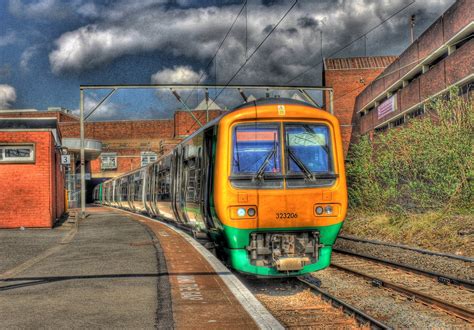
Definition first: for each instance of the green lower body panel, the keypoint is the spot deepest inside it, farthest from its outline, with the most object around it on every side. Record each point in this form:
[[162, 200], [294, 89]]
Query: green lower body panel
[[238, 256]]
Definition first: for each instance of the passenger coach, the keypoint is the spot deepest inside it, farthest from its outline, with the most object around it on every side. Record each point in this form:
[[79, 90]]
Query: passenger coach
[[264, 182]]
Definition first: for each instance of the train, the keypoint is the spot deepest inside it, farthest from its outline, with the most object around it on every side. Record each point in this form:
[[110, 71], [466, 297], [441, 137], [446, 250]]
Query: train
[[263, 183]]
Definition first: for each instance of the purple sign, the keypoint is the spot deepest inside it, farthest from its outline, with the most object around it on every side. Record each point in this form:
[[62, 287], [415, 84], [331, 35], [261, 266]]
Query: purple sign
[[386, 107]]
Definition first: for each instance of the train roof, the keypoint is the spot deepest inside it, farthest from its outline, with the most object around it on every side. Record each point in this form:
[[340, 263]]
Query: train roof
[[273, 100]]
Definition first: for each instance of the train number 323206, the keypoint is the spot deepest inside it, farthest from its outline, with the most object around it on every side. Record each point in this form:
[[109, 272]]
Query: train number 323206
[[286, 215]]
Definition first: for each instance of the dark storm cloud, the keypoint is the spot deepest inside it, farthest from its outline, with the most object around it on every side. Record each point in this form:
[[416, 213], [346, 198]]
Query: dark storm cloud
[[306, 22], [127, 28]]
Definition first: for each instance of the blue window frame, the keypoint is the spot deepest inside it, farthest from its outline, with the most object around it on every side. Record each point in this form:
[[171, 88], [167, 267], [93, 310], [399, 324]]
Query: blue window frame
[[256, 145], [308, 144]]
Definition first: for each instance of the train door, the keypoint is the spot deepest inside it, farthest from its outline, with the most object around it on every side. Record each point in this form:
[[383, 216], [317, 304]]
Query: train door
[[174, 182], [113, 193], [207, 176], [165, 188], [124, 192], [130, 191], [154, 188], [147, 194], [179, 187], [193, 184]]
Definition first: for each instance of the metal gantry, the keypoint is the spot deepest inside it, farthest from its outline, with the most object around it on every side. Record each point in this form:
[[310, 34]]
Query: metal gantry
[[174, 88]]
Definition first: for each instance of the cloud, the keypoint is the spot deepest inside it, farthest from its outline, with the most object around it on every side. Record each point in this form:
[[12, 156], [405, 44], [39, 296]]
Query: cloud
[[128, 28], [107, 111], [7, 96], [178, 75], [7, 39], [40, 9], [26, 56]]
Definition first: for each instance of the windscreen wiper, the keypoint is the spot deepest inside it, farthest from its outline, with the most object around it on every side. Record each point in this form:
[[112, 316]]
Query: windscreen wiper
[[310, 130], [300, 164], [261, 169]]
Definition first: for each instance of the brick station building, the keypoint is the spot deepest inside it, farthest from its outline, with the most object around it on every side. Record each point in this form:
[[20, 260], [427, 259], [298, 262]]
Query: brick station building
[[348, 77], [442, 57], [31, 177], [372, 94]]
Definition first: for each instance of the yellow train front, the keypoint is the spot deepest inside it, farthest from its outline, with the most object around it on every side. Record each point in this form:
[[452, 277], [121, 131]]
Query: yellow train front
[[280, 188], [264, 182]]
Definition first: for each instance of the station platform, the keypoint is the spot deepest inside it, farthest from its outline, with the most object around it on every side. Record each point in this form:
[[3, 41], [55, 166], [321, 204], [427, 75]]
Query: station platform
[[121, 270]]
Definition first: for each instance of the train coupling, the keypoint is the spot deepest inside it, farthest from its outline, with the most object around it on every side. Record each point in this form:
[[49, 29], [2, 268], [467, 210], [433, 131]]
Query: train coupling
[[291, 264]]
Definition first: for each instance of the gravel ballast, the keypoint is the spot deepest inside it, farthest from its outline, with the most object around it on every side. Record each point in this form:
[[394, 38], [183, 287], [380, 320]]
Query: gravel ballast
[[443, 265]]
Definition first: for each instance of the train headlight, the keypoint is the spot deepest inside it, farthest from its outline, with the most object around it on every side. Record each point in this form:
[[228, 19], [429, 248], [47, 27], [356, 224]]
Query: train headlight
[[241, 212], [251, 212], [328, 209], [319, 210]]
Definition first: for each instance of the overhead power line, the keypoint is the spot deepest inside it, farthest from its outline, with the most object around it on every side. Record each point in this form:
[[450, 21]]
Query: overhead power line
[[244, 5], [256, 49], [352, 42]]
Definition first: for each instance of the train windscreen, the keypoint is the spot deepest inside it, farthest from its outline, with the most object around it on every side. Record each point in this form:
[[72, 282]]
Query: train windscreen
[[257, 156], [307, 148]]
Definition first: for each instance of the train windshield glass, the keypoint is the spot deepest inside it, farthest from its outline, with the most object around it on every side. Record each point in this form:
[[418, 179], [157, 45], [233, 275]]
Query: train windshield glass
[[256, 149], [307, 148]]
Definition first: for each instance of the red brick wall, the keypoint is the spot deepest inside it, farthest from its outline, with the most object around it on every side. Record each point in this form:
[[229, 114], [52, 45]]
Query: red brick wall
[[63, 117], [440, 75], [347, 84], [110, 130], [185, 124], [31, 195]]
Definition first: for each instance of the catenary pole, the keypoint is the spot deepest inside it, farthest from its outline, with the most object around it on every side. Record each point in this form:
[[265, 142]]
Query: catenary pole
[[83, 165]]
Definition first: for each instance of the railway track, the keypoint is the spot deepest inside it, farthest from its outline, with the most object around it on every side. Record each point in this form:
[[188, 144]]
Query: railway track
[[298, 303], [362, 319], [450, 295], [405, 247]]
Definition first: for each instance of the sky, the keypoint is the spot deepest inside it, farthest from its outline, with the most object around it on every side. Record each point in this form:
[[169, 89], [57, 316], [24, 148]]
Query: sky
[[48, 48]]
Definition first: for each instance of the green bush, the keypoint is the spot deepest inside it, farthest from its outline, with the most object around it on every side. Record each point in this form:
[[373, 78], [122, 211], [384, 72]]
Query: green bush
[[425, 164]]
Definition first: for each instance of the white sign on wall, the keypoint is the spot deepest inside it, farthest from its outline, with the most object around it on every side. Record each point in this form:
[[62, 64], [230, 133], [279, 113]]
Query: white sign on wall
[[65, 159], [386, 107]]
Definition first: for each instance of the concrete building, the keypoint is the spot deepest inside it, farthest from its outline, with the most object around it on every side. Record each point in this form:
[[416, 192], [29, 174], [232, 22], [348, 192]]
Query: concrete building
[[348, 77], [32, 190], [442, 57]]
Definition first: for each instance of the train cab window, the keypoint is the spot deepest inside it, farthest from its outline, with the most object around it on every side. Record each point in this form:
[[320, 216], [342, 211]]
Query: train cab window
[[308, 155], [256, 155]]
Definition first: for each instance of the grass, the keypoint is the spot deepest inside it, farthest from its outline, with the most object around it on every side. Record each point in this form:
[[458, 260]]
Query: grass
[[443, 231]]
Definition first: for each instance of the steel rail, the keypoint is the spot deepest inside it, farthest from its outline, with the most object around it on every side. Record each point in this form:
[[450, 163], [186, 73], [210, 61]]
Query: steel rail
[[359, 315], [456, 310], [406, 247], [445, 279]]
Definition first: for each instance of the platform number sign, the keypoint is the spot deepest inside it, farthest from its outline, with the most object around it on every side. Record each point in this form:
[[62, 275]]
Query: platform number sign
[[65, 159]]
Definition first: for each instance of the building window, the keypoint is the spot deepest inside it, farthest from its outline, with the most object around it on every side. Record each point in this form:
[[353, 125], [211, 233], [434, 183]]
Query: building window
[[16, 153], [417, 112], [148, 157], [398, 122], [108, 161], [381, 129]]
